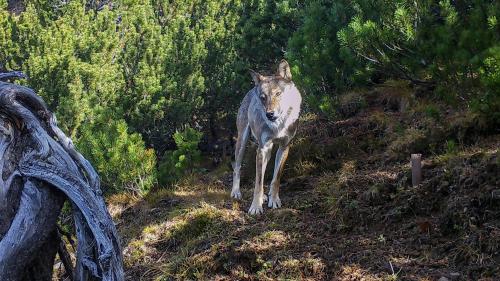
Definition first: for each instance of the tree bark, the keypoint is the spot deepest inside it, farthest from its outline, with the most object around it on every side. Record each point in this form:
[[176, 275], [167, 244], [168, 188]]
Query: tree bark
[[39, 170]]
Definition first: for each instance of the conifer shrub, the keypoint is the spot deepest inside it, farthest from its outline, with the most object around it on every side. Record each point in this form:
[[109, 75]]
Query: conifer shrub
[[184, 159], [123, 162]]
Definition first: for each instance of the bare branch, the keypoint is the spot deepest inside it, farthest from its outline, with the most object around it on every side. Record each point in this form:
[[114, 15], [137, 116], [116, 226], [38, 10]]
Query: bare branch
[[13, 74]]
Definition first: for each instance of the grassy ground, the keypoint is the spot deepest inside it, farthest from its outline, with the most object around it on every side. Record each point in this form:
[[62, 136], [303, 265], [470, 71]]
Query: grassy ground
[[349, 211]]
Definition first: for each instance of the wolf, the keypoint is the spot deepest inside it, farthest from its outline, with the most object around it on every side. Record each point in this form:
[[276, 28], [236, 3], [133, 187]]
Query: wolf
[[270, 111]]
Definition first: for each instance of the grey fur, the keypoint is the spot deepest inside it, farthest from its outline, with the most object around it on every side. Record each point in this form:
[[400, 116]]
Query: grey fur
[[278, 97]]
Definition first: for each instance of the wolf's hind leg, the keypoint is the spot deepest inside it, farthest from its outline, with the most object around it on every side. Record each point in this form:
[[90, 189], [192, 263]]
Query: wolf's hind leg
[[239, 152], [274, 198]]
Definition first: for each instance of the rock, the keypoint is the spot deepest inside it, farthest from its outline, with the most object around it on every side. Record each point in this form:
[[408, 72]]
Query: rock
[[495, 194], [454, 276], [443, 279]]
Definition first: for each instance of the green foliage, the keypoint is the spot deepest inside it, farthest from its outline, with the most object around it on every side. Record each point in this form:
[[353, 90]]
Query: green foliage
[[149, 66], [121, 158], [450, 147], [488, 102], [153, 67], [319, 64], [266, 27], [177, 163], [68, 54], [453, 45], [432, 111], [423, 40]]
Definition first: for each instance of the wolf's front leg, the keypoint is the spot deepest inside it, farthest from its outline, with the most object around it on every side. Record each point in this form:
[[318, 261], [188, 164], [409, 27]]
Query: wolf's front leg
[[238, 158], [263, 155], [274, 198]]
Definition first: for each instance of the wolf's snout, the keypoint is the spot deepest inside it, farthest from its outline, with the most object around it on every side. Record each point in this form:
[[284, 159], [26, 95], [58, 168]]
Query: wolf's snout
[[270, 116]]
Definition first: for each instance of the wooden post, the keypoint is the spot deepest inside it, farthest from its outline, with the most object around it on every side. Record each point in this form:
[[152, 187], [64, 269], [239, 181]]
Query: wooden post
[[416, 169]]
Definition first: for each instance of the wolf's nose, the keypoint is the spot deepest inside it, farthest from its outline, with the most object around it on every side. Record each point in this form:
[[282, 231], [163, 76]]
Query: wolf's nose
[[270, 115]]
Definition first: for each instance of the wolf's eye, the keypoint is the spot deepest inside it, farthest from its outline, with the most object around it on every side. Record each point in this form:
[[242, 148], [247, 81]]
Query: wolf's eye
[[278, 93], [263, 97]]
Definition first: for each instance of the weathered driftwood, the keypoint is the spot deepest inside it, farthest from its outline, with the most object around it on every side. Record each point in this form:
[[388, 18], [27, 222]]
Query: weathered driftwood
[[39, 170]]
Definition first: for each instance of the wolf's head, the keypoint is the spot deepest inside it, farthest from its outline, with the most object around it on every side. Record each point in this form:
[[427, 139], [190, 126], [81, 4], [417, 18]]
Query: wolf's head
[[273, 90]]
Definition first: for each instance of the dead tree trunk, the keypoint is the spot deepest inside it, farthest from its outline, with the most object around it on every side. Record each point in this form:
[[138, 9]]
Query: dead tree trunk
[[39, 170]]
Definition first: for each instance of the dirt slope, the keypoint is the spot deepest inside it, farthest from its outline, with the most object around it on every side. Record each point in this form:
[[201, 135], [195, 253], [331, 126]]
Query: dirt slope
[[349, 210]]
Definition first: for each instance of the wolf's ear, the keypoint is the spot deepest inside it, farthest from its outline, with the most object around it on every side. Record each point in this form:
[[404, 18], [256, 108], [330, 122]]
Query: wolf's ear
[[257, 78], [284, 70]]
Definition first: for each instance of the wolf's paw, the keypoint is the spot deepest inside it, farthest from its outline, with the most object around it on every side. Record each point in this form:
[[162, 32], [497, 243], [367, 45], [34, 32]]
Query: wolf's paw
[[255, 210], [236, 194], [274, 202]]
